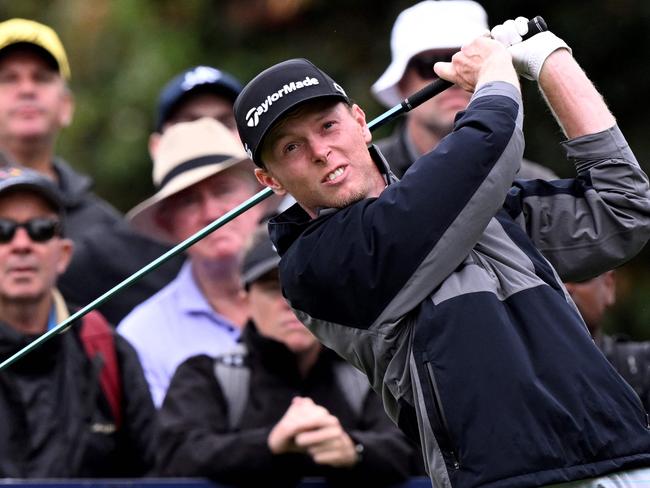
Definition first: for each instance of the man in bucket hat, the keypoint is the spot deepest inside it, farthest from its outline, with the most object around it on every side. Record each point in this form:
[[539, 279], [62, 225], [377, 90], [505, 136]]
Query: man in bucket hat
[[200, 91], [201, 172], [424, 33], [445, 287]]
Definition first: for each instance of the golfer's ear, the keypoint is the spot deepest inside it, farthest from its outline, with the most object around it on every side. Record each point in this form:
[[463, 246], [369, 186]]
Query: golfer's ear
[[360, 116], [266, 179]]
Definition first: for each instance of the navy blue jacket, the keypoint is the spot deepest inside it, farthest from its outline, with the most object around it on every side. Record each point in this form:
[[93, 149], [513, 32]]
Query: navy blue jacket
[[446, 290]]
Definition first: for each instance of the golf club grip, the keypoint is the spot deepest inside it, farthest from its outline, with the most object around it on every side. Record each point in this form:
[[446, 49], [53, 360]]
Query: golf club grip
[[535, 26]]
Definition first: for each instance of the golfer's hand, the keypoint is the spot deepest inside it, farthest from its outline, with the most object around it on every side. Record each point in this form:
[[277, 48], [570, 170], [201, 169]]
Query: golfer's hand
[[479, 62], [528, 56], [302, 415]]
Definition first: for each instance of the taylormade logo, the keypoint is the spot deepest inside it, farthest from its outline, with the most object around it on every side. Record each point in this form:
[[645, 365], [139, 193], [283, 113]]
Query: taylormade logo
[[253, 115]]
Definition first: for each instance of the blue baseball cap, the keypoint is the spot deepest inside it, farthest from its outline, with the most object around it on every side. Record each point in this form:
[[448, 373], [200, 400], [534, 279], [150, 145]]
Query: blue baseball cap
[[198, 78], [14, 177]]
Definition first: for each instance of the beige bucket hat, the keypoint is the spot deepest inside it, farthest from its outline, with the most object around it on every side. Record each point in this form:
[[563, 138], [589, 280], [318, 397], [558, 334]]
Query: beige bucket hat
[[188, 153]]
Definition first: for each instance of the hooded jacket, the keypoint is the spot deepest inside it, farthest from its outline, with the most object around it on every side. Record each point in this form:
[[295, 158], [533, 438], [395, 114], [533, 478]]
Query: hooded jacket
[[446, 291]]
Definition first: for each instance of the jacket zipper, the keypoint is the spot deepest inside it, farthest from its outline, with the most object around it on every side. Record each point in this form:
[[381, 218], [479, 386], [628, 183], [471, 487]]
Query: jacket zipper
[[442, 431]]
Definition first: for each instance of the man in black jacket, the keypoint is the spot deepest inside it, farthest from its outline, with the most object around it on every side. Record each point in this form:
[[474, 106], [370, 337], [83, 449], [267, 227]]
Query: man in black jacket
[[280, 408], [76, 407]]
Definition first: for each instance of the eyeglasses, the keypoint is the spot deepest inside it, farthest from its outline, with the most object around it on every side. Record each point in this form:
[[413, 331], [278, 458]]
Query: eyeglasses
[[39, 229], [423, 64]]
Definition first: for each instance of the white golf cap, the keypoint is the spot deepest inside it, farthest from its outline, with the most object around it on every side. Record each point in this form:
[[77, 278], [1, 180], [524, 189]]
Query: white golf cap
[[432, 24]]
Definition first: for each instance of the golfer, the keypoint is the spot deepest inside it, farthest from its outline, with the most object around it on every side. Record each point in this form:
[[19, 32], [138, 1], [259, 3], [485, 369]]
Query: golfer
[[445, 288]]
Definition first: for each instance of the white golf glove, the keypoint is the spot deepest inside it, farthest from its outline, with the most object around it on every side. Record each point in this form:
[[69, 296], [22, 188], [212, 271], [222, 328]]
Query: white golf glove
[[528, 56]]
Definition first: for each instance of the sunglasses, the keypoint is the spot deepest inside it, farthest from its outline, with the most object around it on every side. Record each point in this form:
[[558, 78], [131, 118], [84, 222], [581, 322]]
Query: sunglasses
[[423, 64], [39, 229]]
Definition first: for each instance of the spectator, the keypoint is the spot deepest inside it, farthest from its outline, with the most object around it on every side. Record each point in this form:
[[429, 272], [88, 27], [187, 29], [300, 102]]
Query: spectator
[[423, 34], [197, 92], [631, 359], [444, 287], [278, 409], [201, 172], [66, 411], [36, 103], [202, 91]]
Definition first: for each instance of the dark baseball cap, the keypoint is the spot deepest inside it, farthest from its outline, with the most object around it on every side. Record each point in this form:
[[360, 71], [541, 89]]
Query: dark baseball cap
[[273, 93], [204, 78], [260, 258], [15, 178]]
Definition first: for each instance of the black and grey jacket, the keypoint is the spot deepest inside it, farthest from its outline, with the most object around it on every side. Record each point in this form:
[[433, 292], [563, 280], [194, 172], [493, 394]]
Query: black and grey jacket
[[446, 290]]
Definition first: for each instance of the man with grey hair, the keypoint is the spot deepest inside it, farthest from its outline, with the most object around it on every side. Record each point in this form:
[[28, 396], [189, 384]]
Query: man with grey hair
[[201, 172]]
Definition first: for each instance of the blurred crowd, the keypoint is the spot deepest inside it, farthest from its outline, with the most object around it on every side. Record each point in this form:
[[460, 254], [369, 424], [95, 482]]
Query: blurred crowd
[[200, 368]]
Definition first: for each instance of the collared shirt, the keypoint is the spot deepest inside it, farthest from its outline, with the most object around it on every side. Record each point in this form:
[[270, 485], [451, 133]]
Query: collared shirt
[[173, 325]]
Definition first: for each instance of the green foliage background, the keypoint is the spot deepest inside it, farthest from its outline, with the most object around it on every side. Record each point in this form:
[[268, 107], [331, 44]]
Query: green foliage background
[[123, 51]]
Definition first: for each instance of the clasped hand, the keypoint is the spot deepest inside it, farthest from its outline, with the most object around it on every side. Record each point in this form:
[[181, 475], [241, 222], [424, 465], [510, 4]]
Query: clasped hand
[[312, 429]]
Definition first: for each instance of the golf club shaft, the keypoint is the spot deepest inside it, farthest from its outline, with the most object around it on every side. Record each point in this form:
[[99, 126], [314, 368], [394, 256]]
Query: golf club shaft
[[534, 26]]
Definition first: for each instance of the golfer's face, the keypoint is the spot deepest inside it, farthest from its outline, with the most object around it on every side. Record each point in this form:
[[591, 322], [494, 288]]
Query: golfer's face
[[29, 268], [320, 156], [34, 101], [192, 209]]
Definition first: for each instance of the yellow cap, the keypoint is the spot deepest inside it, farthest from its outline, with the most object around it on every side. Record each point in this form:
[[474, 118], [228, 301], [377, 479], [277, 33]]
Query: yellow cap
[[14, 31]]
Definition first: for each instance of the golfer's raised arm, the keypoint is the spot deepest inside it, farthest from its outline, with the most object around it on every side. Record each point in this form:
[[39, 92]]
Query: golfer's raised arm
[[577, 105], [603, 217]]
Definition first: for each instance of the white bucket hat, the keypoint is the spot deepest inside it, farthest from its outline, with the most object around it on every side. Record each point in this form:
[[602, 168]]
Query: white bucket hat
[[432, 24], [188, 153]]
